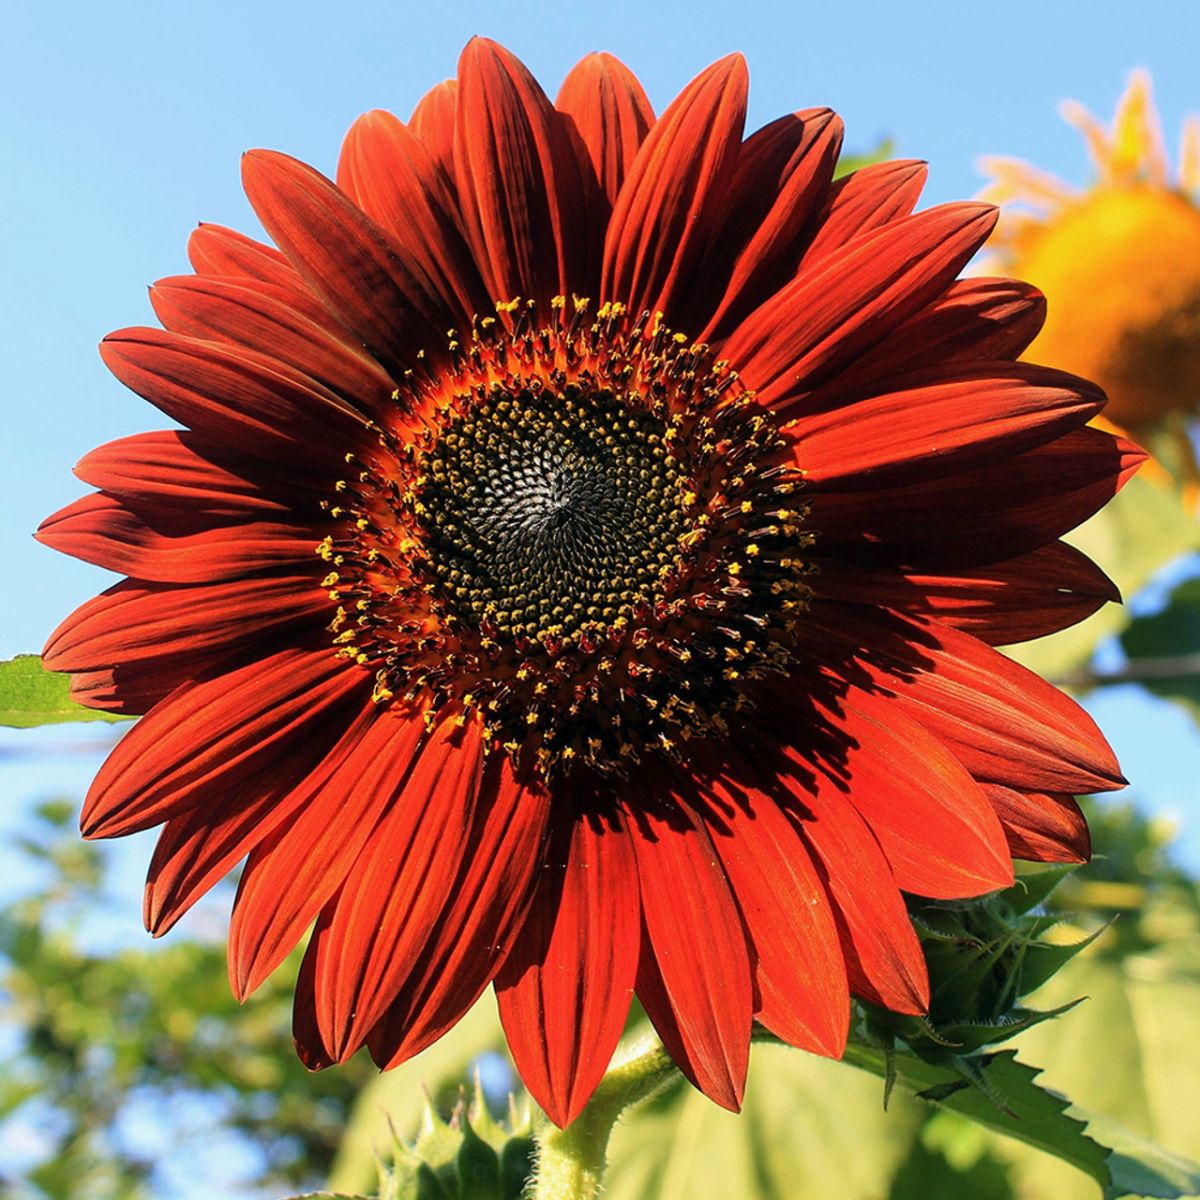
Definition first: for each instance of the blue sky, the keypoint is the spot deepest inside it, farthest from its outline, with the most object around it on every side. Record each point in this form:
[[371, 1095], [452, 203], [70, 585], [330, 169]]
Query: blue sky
[[123, 124]]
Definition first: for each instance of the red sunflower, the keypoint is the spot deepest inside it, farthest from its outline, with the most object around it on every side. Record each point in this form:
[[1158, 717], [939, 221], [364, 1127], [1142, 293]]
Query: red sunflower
[[578, 570]]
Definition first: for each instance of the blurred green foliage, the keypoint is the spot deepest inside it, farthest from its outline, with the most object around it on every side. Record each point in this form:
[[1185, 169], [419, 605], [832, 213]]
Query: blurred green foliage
[[93, 1036]]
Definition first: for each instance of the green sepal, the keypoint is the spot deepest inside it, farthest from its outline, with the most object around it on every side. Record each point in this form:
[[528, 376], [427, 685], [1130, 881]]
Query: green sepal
[[477, 1166], [470, 1157], [1035, 888], [1044, 959], [974, 1035]]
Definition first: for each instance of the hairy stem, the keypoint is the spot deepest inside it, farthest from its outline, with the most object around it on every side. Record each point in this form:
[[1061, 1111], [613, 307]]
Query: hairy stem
[[571, 1161]]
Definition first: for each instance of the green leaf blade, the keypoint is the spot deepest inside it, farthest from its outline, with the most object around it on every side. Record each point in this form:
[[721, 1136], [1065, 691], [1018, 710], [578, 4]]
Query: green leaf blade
[[31, 696]]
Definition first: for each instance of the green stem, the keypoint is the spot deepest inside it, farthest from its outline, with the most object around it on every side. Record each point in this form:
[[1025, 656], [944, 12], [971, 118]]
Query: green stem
[[571, 1161]]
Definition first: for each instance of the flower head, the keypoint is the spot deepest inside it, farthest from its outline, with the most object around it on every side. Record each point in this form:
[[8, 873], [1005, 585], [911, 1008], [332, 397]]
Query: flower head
[[578, 572], [1119, 261]]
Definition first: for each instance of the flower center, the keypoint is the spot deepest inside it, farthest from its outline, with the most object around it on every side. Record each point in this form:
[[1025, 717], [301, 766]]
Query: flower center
[[549, 513], [586, 534]]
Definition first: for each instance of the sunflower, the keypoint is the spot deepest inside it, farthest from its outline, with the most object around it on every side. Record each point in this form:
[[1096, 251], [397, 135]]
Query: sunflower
[[1119, 261], [577, 572]]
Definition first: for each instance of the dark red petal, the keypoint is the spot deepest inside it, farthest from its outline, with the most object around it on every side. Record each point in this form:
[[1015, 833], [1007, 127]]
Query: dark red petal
[[179, 548], [518, 178], [604, 99], [833, 313], [396, 889], [215, 250], [864, 200], [936, 827], [132, 621], [135, 688], [1041, 827], [433, 122], [305, 1033], [982, 514], [1016, 600], [292, 875], [565, 989], [940, 423], [694, 977], [362, 275], [259, 319], [227, 732], [178, 469], [799, 966], [393, 178], [883, 955], [482, 911], [199, 847], [1003, 722], [239, 398], [782, 177], [675, 192], [219, 253], [974, 320]]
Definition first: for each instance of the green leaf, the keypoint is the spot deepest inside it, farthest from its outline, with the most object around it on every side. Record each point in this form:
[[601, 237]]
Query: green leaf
[[1127, 1053], [809, 1129], [1139, 1167], [1005, 1098], [30, 695]]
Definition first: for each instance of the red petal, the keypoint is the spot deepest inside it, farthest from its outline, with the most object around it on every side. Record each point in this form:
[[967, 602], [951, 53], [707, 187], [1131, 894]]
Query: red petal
[[201, 846], [132, 621], [604, 99], [1003, 722], [941, 423], [394, 179], [482, 911], [975, 320], [362, 275], [518, 178], [565, 989], [936, 827], [178, 469], [232, 730], [1017, 600], [305, 1033], [238, 398], [292, 875], [396, 889], [833, 313], [864, 200], [676, 192], [782, 177], [135, 688], [1041, 827], [259, 319], [883, 954], [799, 966], [215, 250], [433, 121], [694, 976], [982, 514], [178, 548]]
